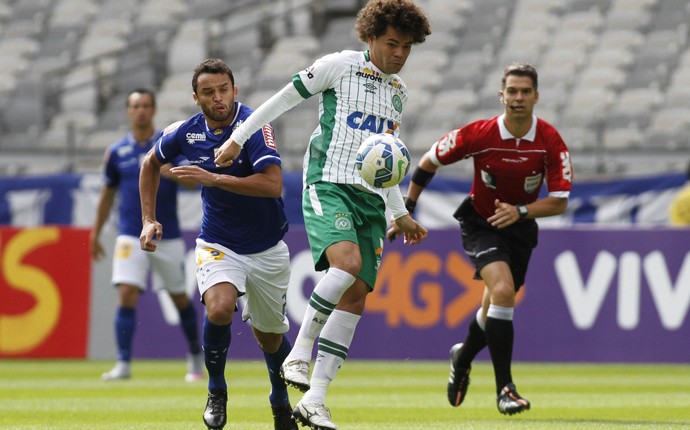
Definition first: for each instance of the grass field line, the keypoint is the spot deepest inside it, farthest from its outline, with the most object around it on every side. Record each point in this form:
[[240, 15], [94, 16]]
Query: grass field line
[[371, 395]]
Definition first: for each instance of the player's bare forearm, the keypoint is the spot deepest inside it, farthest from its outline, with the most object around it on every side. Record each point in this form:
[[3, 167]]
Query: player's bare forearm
[[194, 174], [415, 190], [165, 173], [149, 180], [105, 204], [507, 214], [548, 206], [97, 251], [267, 183]]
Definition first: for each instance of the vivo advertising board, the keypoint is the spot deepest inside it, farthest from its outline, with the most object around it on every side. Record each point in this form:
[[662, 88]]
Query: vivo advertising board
[[620, 295], [609, 281]]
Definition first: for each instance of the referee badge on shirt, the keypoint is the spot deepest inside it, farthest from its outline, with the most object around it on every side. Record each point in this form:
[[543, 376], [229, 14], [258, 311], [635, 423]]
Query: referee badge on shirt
[[532, 183], [489, 179]]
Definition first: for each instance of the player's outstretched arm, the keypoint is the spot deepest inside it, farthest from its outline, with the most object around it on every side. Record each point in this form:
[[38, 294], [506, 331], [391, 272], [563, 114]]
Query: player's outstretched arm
[[267, 183], [421, 177], [276, 105], [506, 214], [149, 179], [105, 204]]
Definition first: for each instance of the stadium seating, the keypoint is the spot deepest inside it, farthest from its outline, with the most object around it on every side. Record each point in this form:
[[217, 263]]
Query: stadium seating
[[613, 73]]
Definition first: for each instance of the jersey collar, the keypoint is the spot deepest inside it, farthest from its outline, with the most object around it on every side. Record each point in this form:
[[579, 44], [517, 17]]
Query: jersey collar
[[505, 134]]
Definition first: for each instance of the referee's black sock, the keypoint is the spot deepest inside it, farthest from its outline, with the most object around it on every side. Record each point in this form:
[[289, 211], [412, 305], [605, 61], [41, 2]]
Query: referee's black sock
[[499, 336], [474, 343]]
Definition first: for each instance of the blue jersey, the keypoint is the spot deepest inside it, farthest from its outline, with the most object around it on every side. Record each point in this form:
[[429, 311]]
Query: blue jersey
[[122, 162], [245, 224]]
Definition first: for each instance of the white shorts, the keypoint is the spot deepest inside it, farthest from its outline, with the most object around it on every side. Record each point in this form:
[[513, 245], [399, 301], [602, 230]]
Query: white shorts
[[131, 264], [261, 279]]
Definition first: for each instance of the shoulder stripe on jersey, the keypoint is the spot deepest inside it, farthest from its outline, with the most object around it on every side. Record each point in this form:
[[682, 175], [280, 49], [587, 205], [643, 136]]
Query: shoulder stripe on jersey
[[265, 157]]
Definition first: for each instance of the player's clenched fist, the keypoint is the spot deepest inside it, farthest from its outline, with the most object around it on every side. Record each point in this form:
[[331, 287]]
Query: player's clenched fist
[[151, 232], [227, 152]]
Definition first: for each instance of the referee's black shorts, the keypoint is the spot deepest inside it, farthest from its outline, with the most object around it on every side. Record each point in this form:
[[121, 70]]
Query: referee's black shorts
[[485, 244]]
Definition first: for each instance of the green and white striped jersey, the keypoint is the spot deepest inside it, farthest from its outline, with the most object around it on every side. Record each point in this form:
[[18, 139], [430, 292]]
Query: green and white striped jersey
[[356, 100]]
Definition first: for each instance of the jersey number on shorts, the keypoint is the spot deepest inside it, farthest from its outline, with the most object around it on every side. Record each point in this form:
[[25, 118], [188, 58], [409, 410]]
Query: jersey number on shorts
[[204, 255]]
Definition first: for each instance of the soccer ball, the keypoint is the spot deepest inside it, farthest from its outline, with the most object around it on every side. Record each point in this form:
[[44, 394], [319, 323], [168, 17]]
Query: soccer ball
[[382, 160]]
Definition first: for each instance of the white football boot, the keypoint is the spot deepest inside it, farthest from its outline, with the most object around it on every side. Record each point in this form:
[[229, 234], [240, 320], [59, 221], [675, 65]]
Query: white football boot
[[296, 374], [314, 415]]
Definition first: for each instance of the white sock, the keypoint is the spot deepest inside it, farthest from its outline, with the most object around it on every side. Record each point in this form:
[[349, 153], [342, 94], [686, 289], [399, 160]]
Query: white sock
[[334, 344], [480, 319], [500, 312], [323, 300]]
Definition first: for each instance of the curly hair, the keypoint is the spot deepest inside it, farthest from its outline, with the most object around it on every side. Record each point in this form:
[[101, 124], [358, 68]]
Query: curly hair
[[403, 15]]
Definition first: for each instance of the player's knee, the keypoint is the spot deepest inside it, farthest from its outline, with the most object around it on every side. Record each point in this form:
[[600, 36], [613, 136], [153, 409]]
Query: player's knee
[[220, 313], [503, 294], [504, 297], [345, 256], [181, 300], [349, 264]]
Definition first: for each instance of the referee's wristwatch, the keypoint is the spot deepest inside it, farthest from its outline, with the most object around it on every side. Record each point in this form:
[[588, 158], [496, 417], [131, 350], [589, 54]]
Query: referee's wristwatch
[[522, 211]]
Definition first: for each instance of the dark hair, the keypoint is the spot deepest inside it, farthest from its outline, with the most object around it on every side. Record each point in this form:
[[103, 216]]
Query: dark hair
[[142, 91], [403, 15], [213, 66], [521, 69]]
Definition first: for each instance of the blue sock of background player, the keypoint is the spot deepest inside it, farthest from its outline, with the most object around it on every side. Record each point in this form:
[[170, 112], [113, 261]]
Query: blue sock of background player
[[125, 323], [216, 344], [188, 323], [279, 393]]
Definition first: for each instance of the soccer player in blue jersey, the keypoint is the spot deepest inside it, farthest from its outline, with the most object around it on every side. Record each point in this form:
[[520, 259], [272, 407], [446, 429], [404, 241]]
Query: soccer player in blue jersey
[[360, 93], [240, 250], [130, 264]]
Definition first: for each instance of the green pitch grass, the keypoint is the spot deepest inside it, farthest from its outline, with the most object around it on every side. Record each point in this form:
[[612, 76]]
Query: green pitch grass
[[368, 395]]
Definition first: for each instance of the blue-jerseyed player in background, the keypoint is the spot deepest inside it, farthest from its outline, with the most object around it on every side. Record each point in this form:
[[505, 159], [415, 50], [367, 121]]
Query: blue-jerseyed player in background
[[240, 250], [130, 264]]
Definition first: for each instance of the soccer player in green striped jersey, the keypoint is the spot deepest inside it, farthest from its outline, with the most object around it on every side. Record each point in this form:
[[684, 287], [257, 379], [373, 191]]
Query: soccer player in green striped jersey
[[360, 94]]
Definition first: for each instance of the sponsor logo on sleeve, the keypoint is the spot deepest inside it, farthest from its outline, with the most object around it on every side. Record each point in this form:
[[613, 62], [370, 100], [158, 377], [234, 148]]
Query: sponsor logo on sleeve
[[267, 131]]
